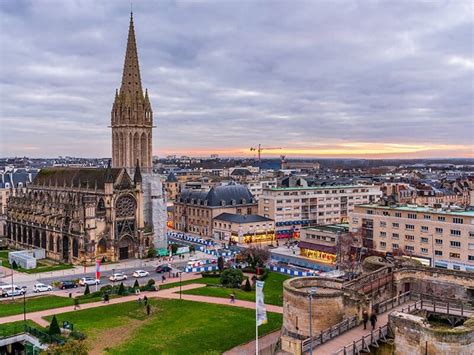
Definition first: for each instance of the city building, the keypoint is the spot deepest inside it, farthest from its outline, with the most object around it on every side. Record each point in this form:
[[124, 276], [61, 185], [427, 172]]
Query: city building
[[244, 229], [324, 243], [294, 207], [80, 214], [442, 238], [194, 211]]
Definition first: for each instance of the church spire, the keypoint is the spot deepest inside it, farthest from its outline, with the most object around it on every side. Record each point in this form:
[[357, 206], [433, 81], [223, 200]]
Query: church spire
[[131, 81]]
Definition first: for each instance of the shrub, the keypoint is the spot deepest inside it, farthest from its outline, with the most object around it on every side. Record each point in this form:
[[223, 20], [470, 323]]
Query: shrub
[[77, 335], [75, 347], [247, 286], [150, 282], [103, 260], [14, 265], [136, 285], [121, 289], [151, 253], [210, 274], [54, 327], [87, 291], [220, 263], [232, 278], [106, 289]]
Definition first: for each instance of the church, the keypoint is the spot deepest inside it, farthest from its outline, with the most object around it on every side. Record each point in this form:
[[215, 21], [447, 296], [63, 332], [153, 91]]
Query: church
[[80, 214]]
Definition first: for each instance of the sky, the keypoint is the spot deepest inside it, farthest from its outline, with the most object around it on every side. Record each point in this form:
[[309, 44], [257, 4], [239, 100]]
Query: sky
[[329, 79]]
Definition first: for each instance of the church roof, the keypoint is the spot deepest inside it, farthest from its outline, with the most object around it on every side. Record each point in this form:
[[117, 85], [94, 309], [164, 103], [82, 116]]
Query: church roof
[[73, 176]]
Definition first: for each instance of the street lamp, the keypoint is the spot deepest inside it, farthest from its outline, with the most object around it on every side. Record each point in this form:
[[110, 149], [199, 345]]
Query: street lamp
[[24, 307], [180, 272], [311, 293]]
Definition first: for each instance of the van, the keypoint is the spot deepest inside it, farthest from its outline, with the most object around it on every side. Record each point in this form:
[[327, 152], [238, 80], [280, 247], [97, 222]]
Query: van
[[12, 291]]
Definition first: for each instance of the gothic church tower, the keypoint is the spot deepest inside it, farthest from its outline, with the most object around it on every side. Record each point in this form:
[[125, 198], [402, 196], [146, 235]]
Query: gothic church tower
[[132, 116]]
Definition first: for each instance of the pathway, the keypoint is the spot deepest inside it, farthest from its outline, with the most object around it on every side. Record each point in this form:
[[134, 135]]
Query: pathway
[[249, 348], [166, 294]]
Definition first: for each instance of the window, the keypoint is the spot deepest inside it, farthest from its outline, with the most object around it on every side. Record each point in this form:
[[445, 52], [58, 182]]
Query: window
[[455, 244], [455, 255], [424, 240], [471, 234], [412, 215], [395, 225], [456, 267], [383, 234], [455, 232], [394, 246], [424, 250], [398, 214], [409, 226], [470, 246], [438, 253], [424, 228], [470, 257], [427, 216], [370, 212], [409, 248], [410, 237], [439, 230], [458, 220], [383, 224], [441, 218], [386, 213], [383, 245], [395, 235], [439, 241]]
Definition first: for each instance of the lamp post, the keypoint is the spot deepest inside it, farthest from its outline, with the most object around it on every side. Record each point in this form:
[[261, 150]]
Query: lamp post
[[180, 272], [24, 308], [311, 293], [13, 289]]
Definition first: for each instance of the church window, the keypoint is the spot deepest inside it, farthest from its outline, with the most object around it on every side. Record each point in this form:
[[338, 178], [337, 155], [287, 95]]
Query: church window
[[125, 206]]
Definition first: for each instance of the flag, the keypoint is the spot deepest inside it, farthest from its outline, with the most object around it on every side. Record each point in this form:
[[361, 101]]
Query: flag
[[261, 311], [97, 269]]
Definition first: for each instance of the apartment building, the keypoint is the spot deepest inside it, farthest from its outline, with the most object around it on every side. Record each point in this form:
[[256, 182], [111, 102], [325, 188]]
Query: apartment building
[[295, 207], [443, 238], [244, 229]]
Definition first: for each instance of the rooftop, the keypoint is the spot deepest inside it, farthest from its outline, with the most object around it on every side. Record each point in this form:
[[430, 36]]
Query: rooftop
[[239, 218], [338, 227], [423, 209], [318, 187]]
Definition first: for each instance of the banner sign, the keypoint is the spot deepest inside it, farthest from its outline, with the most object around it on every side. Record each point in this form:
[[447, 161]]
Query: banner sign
[[261, 311], [97, 269]]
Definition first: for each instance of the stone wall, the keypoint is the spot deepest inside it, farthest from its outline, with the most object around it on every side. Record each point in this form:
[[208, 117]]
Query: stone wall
[[416, 336]]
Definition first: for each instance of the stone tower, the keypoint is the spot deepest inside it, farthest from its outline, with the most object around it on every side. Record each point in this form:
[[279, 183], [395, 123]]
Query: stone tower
[[132, 116]]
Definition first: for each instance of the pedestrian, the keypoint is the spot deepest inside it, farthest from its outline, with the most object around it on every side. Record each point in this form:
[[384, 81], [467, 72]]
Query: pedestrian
[[145, 300], [139, 300], [163, 278], [373, 320], [148, 309], [365, 318], [106, 298], [232, 297], [76, 303]]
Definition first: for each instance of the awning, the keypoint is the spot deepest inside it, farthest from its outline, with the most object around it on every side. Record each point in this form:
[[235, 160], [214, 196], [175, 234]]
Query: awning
[[313, 246]]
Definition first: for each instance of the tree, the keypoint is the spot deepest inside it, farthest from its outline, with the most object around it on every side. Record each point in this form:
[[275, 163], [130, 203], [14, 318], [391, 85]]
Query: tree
[[256, 257], [54, 327], [220, 263], [121, 289], [87, 291], [232, 278], [75, 347], [151, 253], [174, 248], [247, 286], [136, 285], [14, 265], [192, 248]]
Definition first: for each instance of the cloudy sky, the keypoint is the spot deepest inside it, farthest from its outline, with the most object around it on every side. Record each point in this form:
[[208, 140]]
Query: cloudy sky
[[316, 78]]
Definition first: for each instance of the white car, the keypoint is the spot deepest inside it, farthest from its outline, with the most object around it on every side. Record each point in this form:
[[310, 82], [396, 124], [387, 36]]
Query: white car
[[89, 281], [195, 263], [42, 288], [118, 276], [15, 291], [141, 273]]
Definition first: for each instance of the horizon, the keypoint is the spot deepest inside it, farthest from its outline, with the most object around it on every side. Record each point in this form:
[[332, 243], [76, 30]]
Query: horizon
[[223, 78]]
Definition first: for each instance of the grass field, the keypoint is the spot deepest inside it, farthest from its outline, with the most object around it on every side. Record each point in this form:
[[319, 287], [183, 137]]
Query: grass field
[[174, 327], [203, 280], [40, 266], [15, 328], [38, 303], [273, 290]]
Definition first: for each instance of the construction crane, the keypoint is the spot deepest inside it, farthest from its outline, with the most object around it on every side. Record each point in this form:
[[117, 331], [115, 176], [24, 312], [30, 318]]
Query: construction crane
[[259, 150]]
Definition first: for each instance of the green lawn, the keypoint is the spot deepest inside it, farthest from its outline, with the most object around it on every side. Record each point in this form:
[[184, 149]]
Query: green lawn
[[203, 280], [273, 290], [40, 266], [175, 326], [15, 328], [39, 303]]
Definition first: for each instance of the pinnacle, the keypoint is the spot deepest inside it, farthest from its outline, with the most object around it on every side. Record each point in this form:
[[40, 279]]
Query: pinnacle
[[131, 81]]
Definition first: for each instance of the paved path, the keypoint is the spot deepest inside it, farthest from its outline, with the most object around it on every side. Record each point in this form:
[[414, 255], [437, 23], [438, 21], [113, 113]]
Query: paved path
[[354, 334], [167, 294]]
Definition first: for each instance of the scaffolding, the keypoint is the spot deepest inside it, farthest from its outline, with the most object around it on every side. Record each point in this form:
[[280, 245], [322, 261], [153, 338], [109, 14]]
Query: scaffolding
[[155, 214]]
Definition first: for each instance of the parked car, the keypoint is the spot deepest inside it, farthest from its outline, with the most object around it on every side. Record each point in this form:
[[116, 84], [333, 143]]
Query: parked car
[[140, 273], [195, 263], [89, 281], [67, 284], [118, 276], [13, 291], [39, 287], [163, 268]]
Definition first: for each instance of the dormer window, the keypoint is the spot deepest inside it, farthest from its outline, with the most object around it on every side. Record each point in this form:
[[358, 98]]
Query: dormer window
[[222, 202]]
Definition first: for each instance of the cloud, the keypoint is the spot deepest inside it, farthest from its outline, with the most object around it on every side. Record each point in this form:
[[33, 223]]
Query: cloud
[[224, 76]]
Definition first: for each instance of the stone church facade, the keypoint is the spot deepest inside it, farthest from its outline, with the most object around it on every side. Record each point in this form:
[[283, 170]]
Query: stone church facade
[[80, 214]]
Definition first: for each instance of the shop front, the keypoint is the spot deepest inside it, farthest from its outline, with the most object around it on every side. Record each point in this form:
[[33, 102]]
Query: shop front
[[257, 238], [318, 252]]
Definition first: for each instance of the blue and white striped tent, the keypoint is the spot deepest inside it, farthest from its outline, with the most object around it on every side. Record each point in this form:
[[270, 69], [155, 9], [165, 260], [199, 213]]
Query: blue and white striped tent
[[190, 238], [284, 270], [217, 252], [201, 268]]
